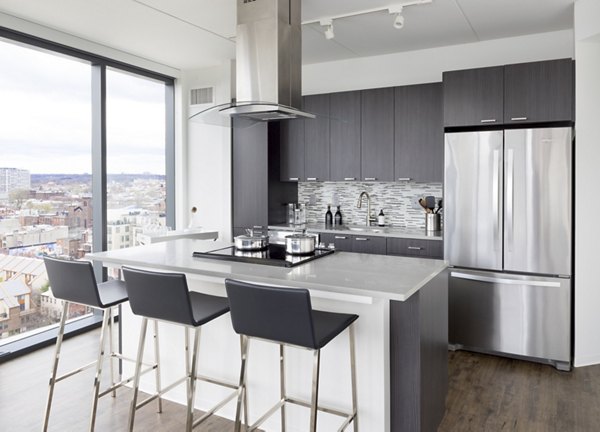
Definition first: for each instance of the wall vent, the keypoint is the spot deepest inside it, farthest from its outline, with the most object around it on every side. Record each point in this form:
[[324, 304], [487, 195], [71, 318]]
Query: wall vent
[[201, 96]]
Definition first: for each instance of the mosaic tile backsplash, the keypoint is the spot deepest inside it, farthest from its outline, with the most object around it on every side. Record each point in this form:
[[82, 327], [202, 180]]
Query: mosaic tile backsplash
[[399, 201]]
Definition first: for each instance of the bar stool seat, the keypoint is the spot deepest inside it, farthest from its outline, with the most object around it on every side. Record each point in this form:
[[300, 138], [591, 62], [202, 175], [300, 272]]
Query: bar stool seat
[[75, 282], [165, 297], [328, 325], [285, 316]]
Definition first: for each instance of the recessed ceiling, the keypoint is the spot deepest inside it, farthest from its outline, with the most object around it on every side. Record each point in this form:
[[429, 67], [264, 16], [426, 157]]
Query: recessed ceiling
[[188, 34]]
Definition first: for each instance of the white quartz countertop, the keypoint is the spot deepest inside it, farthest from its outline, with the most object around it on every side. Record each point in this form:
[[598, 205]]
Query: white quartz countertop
[[381, 276], [386, 231]]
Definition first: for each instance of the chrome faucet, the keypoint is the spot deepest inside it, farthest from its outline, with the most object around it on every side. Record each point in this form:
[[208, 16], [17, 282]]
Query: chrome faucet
[[359, 205]]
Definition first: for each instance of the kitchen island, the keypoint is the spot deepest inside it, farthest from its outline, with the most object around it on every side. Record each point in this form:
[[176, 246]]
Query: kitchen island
[[401, 335]]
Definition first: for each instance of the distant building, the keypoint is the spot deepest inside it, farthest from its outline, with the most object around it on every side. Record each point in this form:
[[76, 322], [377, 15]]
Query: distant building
[[29, 236], [119, 236], [13, 179]]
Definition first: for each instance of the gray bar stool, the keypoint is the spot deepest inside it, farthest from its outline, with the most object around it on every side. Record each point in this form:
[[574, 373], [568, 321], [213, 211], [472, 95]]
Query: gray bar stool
[[75, 282], [165, 297], [285, 316]]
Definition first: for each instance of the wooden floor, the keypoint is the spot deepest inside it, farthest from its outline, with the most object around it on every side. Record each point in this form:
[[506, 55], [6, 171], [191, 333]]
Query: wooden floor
[[23, 391], [486, 393]]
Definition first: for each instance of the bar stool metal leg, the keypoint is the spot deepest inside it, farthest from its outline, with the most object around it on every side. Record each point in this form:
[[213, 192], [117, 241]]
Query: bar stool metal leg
[[282, 383], [315, 391], [111, 350], [192, 382], [353, 374], [157, 361], [242, 385], [99, 370], [138, 368], [246, 414], [59, 339]]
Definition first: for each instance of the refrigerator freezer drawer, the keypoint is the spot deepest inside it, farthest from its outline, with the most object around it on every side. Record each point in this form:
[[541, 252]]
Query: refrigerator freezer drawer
[[512, 314]]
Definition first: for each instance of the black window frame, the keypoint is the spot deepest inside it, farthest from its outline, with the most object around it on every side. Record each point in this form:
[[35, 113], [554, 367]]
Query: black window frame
[[99, 65]]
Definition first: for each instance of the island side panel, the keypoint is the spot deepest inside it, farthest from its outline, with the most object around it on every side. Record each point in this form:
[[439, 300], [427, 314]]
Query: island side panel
[[434, 351], [419, 358]]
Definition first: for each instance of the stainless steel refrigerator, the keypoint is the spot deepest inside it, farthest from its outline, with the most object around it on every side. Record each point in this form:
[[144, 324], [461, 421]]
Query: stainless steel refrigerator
[[508, 237]]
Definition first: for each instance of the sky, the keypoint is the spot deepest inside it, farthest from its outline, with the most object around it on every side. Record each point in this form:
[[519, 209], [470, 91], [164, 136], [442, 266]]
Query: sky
[[45, 115]]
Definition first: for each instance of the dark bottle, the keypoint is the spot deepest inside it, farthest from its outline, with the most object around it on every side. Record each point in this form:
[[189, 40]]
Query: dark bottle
[[381, 218], [338, 217], [328, 217]]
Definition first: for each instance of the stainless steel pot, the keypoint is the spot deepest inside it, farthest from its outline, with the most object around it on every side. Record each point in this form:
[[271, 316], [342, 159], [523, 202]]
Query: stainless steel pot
[[251, 241], [300, 244]]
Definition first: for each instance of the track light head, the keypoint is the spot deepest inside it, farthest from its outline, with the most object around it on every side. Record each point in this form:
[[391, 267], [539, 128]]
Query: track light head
[[328, 23], [399, 21]]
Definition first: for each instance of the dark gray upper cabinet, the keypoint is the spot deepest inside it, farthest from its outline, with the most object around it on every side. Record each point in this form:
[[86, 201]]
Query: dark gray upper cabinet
[[539, 91], [377, 134], [474, 97], [292, 150], [250, 175], [316, 138], [344, 131], [419, 133]]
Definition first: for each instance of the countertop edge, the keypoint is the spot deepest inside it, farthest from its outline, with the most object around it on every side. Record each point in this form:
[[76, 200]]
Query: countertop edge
[[367, 232]]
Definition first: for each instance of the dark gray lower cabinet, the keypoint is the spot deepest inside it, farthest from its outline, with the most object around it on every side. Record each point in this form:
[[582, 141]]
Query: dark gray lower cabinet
[[355, 243], [419, 358], [415, 248], [342, 242], [369, 244]]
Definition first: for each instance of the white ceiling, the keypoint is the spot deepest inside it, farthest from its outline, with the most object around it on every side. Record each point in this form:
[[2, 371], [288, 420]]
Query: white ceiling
[[187, 34]]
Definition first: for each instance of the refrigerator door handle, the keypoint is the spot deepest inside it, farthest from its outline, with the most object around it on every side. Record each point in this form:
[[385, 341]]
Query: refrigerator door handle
[[510, 198], [466, 276], [496, 199]]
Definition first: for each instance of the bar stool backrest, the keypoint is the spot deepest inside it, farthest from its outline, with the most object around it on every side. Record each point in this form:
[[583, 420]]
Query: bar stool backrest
[[272, 313], [162, 296], [73, 281]]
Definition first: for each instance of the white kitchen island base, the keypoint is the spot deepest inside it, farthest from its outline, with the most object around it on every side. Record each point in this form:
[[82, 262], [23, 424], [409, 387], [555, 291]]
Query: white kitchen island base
[[394, 390]]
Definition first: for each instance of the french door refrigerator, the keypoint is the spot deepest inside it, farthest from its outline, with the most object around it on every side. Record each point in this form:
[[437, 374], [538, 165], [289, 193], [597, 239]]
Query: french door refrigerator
[[508, 240]]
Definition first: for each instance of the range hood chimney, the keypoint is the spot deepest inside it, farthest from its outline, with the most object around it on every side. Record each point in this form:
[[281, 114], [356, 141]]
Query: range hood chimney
[[268, 63]]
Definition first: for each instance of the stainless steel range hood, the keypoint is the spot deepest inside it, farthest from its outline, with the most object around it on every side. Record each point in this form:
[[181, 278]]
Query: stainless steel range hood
[[268, 63]]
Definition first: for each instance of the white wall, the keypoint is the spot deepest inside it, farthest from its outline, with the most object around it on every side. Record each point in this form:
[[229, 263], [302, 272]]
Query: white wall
[[207, 157], [587, 160], [416, 67]]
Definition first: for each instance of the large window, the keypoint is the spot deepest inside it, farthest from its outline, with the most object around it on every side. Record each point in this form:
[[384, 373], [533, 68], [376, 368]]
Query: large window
[[85, 147]]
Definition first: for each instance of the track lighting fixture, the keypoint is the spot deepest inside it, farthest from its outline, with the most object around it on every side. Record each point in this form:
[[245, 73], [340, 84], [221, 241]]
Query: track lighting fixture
[[395, 10], [328, 23], [399, 19]]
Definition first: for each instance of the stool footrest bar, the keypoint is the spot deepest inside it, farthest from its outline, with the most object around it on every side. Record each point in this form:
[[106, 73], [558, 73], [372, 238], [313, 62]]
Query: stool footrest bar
[[325, 409], [75, 371], [215, 408], [125, 381], [217, 382], [266, 415], [162, 392]]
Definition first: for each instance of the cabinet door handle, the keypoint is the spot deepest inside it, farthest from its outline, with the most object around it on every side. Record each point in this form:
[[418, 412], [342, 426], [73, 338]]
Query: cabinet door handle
[[340, 238], [361, 239], [349, 178], [518, 118], [370, 178], [415, 248], [293, 178], [311, 179], [488, 121], [404, 179]]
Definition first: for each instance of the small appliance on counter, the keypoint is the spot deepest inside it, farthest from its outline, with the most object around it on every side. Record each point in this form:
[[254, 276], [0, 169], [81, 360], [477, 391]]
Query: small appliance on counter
[[296, 213]]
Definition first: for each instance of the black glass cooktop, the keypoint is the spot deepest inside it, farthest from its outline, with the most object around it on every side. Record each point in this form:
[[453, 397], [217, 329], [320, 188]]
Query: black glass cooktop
[[274, 255]]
